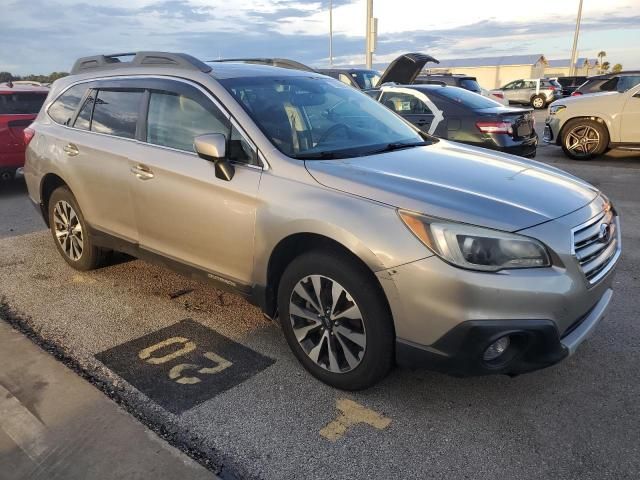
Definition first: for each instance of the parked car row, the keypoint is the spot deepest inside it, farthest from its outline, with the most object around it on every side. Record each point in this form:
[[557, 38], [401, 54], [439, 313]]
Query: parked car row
[[373, 242]]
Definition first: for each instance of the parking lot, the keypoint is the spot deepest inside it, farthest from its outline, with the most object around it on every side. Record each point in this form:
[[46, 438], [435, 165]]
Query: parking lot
[[213, 376]]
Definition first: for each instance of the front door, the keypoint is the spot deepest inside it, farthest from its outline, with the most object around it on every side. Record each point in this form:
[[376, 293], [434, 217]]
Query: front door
[[415, 106], [183, 210], [630, 118]]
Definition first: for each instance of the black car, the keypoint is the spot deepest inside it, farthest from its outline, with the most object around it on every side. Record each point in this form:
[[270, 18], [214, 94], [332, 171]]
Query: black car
[[570, 84], [459, 115], [453, 80], [609, 82]]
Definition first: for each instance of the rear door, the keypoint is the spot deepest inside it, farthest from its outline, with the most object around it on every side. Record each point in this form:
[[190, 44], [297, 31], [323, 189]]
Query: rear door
[[17, 111], [183, 210], [512, 90], [95, 152], [630, 121], [415, 106]]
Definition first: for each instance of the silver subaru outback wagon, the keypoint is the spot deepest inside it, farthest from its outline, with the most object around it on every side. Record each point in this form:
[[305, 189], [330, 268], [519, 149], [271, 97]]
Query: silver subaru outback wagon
[[374, 244]]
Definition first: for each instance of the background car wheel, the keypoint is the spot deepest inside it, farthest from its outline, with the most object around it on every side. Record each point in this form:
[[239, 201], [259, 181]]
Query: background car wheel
[[584, 139], [538, 102], [70, 232], [336, 320]]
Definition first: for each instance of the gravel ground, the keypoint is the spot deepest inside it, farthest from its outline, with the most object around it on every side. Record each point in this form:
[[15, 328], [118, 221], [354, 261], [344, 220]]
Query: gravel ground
[[577, 420]]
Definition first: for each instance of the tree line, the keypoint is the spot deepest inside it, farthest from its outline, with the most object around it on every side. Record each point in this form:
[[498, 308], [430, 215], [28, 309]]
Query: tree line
[[8, 76]]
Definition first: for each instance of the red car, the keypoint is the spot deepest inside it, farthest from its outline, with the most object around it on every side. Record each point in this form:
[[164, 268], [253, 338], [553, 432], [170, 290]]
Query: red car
[[19, 105]]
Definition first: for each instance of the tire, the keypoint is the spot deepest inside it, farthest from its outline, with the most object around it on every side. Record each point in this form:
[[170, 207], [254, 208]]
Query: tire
[[538, 102], [594, 133], [362, 345], [70, 233]]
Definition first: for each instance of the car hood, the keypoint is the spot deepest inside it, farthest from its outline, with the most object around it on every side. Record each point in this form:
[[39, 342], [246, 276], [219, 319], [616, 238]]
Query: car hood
[[602, 97], [460, 183]]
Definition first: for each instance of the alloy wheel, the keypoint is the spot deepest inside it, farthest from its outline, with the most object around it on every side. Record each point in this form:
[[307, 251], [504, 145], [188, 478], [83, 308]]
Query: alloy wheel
[[538, 102], [68, 230], [582, 140], [327, 323]]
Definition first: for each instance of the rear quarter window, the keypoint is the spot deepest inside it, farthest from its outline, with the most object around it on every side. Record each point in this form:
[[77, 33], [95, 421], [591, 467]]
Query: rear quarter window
[[21, 103], [63, 109]]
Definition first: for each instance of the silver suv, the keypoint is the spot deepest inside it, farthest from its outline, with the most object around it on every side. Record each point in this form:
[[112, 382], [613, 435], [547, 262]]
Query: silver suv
[[537, 92], [372, 243]]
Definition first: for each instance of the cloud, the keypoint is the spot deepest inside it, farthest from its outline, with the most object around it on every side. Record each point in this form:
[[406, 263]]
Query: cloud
[[51, 34]]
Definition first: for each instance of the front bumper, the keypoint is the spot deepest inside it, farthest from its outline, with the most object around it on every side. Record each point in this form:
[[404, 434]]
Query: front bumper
[[535, 344], [552, 130]]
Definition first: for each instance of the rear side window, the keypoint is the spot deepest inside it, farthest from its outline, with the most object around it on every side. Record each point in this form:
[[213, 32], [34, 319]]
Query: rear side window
[[627, 82], [21, 103], [174, 120], [83, 122], [116, 112], [62, 110]]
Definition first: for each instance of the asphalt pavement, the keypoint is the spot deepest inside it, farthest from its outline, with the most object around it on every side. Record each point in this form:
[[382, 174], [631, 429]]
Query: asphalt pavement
[[206, 369]]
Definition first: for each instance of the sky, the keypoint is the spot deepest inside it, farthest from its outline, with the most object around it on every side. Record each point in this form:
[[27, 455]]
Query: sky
[[41, 36]]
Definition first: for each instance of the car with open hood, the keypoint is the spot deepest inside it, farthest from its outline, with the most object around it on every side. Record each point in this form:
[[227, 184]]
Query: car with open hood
[[371, 242]]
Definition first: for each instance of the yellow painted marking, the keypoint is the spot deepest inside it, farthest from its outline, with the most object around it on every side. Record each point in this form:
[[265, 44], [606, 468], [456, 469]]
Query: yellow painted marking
[[83, 279], [176, 372], [145, 353], [352, 413], [223, 363]]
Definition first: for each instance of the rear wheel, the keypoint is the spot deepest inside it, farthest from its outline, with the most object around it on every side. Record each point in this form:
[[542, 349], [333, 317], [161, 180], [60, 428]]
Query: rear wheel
[[538, 102], [336, 320], [584, 139], [70, 232]]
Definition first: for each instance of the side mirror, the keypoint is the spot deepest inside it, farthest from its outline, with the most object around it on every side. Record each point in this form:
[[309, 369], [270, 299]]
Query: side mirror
[[213, 147]]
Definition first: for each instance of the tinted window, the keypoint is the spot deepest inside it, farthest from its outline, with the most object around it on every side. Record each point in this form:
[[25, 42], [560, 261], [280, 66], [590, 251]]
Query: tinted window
[[405, 104], [467, 98], [610, 85], [116, 112], [470, 84], [366, 79], [83, 122], [240, 150], [174, 120], [21, 103], [628, 81], [62, 110]]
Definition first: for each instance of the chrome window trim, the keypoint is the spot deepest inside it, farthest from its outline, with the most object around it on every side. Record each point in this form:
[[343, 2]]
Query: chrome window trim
[[225, 112]]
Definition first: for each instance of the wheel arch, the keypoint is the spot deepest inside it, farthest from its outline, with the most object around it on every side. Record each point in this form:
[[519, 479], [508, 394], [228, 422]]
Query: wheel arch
[[49, 183], [296, 244]]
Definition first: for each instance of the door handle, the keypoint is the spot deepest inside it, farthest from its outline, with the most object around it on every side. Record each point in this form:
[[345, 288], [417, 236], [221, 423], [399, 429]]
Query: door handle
[[71, 150], [142, 172]]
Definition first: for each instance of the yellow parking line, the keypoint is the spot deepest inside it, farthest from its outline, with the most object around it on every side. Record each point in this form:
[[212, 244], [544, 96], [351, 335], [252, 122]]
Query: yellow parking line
[[352, 413]]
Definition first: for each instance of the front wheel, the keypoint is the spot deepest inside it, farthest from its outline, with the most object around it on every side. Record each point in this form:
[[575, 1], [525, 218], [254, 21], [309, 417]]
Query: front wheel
[[336, 320], [584, 139], [538, 102]]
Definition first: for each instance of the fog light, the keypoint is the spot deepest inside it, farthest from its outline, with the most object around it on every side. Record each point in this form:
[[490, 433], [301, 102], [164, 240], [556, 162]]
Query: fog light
[[496, 349]]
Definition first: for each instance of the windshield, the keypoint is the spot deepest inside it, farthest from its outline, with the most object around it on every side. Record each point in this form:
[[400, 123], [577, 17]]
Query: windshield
[[467, 98], [307, 116], [366, 79]]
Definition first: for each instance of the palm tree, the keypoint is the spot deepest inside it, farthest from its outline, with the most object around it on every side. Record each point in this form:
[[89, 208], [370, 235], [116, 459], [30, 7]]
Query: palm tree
[[605, 66], [601, 55]]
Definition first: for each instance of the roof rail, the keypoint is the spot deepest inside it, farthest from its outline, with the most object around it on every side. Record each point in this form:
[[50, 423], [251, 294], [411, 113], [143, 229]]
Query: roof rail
[[274, 62], [140, 59]]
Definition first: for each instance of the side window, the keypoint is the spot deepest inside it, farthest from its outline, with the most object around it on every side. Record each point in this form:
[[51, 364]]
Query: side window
[[405, 104], [530, 84], [83, 122], [116, 112], [240, 150], [62, 110], [344, 78], [174, 120]]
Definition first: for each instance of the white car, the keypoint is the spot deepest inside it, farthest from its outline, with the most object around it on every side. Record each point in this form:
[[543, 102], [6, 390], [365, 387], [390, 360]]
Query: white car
[[588, 125]]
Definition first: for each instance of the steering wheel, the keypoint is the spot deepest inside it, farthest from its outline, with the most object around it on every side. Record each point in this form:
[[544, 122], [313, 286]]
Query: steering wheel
[[333, 129]]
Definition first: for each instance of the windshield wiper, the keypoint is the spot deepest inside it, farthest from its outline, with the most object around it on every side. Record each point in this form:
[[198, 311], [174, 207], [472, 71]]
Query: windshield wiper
[[390, 147], [328, 155]]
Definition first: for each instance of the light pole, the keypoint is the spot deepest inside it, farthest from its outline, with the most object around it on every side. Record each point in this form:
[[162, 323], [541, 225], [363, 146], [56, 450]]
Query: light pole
[[369, 50], [574, 50], [331, 33]]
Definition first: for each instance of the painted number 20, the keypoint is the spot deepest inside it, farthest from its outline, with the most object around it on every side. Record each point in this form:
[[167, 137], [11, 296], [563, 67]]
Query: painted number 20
[[177, 373]]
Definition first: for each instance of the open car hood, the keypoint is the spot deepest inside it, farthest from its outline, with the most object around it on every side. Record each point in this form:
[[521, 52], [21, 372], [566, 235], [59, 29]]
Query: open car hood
[[404, 69]]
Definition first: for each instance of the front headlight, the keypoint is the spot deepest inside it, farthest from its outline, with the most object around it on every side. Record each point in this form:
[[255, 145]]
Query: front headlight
[[476, 248], [554, 109]]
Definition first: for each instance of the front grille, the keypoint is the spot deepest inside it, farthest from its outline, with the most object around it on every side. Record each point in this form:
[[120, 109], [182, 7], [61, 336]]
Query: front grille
[[596, 245]]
